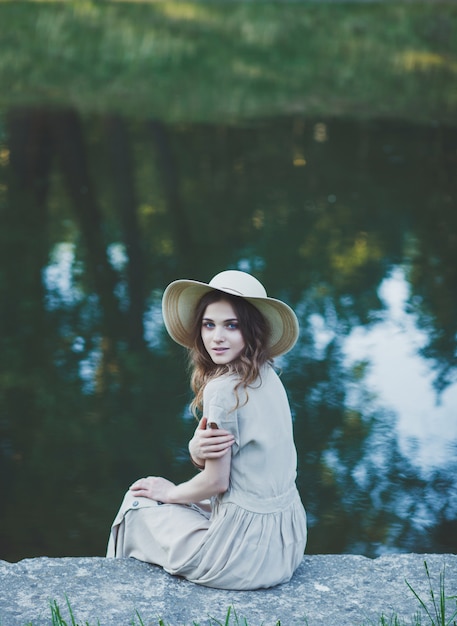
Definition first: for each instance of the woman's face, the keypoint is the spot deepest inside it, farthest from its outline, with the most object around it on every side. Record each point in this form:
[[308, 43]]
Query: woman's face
[[221, 334]]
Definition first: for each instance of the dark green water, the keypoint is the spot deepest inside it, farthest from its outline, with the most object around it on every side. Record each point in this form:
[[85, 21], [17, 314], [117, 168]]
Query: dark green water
[[353, 223]]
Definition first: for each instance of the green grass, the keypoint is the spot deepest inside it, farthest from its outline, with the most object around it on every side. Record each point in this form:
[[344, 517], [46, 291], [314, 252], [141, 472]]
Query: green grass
[[437, 611], [436, 608], [231, 619], [215, 61]]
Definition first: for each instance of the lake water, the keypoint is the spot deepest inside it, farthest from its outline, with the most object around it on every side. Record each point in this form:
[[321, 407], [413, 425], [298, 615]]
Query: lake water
[[351, 222]]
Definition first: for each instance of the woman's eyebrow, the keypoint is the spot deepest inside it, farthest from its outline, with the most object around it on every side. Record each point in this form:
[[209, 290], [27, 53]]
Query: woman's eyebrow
[[230, 319]]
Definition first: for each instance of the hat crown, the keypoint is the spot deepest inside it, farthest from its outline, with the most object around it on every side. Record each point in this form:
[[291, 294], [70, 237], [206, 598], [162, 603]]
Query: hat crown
[[238, 284]]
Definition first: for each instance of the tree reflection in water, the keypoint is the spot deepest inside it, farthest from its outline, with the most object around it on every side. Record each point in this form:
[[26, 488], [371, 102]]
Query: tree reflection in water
[[99, 214]]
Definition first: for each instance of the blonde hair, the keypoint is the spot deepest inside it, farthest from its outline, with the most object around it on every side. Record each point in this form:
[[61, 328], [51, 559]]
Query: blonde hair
[[255, 331]]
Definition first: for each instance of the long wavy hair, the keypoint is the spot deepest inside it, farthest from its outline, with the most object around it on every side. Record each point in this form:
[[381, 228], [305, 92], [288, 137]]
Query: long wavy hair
[[255, 331]]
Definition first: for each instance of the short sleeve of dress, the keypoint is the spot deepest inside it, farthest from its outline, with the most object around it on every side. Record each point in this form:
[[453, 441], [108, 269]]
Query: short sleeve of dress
[[219, 402]]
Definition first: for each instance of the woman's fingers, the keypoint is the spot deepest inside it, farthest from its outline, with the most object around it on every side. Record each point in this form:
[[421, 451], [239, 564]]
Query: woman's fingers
[[215, 434], [215, 448], [140, 487], [208, 443], [153, 487], [221, 444]]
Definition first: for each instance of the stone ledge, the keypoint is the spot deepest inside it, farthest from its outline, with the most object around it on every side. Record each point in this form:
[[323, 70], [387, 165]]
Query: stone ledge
[[327, 590]]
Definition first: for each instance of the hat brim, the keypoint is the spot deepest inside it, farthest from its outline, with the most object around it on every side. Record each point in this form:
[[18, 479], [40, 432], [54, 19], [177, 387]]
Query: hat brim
[[181, 297]]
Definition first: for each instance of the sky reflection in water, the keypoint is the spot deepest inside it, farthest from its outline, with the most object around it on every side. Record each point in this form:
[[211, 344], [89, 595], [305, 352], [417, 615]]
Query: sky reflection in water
[[402, 381]]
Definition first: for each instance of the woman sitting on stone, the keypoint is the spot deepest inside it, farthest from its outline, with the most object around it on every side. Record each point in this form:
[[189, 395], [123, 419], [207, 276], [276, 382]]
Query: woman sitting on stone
[[239, 523]]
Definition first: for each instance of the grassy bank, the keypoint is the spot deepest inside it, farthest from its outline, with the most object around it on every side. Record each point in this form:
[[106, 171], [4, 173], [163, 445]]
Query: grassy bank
[[210, 61]]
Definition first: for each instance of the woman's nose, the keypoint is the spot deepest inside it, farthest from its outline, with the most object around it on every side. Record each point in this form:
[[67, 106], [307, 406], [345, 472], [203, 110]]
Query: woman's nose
[[219, 333]]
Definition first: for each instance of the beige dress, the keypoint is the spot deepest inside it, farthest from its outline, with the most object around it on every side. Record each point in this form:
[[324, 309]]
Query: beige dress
[[254, 534]]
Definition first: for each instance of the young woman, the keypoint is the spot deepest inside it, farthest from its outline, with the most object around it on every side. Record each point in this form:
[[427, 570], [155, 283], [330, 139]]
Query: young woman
[[239, 522]]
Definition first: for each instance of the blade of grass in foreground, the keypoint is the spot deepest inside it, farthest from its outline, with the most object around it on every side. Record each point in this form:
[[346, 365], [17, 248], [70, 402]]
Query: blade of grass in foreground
[[438, 606]]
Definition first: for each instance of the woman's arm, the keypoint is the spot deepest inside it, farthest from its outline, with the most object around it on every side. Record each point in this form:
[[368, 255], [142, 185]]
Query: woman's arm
[[214, 479], [209, 443]]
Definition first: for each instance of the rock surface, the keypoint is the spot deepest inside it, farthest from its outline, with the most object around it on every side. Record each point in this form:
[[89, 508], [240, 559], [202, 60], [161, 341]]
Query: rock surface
[[327, 590]]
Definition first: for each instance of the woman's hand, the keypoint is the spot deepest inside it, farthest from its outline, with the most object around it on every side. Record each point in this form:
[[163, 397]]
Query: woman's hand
[[153, 487], [209, 443]]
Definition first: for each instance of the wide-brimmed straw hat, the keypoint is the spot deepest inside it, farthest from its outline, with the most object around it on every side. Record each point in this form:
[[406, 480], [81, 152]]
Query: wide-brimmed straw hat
[[181, 297]]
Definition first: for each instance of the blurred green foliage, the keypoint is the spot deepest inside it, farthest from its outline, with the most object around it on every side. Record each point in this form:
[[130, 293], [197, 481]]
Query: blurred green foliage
[[218, 61]]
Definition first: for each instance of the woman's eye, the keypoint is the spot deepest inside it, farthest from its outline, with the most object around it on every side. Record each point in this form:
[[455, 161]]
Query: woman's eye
[[233, 326], [207, 324]]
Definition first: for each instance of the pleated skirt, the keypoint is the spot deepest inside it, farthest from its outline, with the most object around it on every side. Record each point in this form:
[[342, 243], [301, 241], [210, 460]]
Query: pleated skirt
[[223, 546]]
